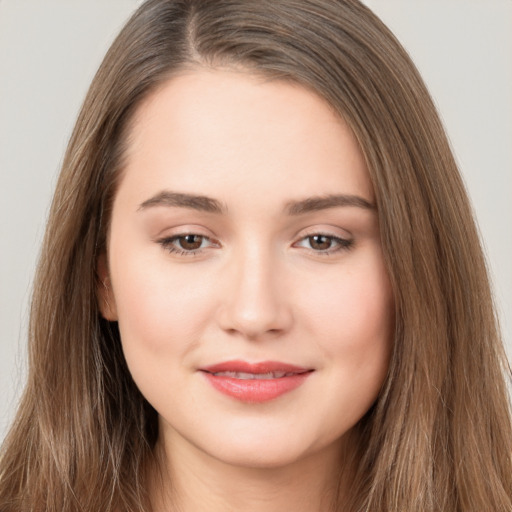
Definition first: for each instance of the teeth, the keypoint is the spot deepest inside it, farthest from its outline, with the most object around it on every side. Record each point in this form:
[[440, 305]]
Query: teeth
[[249, 376]]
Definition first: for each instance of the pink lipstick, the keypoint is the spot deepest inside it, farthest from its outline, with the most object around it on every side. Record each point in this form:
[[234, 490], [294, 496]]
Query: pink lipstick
[[255, 382]]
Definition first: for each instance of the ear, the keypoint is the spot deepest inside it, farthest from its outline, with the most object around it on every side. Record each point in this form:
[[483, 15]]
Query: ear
[[104, 292]]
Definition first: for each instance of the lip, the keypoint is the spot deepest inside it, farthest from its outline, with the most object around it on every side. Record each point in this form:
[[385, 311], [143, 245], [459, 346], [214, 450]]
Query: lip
[[255, 390]]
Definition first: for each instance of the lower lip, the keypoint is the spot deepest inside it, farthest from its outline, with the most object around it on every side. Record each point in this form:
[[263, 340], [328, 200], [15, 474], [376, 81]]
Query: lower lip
[[256, 390]]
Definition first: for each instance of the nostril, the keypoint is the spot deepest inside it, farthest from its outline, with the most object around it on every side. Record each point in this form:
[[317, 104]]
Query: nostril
[[252, 301]]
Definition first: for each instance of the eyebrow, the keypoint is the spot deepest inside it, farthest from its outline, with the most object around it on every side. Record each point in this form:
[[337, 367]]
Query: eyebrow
[[194, 202], [314, 204], [293, 208]]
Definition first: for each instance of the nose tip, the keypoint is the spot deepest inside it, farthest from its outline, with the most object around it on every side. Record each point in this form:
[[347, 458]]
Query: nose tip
[[255, 304], [253, 324]]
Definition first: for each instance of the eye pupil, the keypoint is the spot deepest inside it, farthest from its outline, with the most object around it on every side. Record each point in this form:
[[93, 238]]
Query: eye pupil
[[320, 242], [190, 242]]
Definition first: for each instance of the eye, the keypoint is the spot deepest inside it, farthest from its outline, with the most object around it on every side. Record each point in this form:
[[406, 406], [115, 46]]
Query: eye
[[187, 244], [324, 244], [190, 242]]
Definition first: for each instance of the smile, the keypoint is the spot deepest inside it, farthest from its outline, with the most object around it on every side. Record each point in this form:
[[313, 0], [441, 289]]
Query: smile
[[260, 376], [255, 382]]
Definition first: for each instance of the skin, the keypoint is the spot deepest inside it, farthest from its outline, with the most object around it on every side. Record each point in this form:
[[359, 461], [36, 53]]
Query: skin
[[259, 288]]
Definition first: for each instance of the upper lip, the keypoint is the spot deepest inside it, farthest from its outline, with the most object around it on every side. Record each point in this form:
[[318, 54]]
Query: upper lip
[[255, 368]]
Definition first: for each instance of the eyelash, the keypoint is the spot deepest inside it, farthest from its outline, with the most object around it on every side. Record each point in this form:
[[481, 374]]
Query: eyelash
[[343, 244], [168, 244]]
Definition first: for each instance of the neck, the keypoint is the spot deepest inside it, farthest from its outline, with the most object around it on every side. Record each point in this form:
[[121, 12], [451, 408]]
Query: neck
[[191, 481]]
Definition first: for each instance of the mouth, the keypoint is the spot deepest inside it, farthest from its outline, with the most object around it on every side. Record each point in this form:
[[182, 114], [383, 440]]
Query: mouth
[[257, 376], [255, 382]]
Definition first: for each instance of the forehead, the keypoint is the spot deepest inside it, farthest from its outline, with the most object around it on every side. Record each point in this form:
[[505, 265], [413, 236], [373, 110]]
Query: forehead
[[216, 132]]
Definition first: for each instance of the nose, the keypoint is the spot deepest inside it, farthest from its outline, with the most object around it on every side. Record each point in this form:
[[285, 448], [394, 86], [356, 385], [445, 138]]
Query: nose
[[255, 303]]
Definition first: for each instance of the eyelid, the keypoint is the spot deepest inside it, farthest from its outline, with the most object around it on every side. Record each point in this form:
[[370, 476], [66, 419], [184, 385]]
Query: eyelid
[[167, 243], [339, 242], [182, 229], [343, 243]]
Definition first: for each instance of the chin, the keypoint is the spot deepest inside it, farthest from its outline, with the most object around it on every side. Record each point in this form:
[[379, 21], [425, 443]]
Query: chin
[[269, 458], [270, 451]]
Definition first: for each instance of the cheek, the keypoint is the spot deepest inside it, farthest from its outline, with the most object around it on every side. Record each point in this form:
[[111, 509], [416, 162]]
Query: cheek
[[353, 313], [354, 322], [162, 315], [160, 310]]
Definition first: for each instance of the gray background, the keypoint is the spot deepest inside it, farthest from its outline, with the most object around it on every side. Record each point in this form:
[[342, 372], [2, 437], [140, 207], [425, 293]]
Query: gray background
[[50, 50]]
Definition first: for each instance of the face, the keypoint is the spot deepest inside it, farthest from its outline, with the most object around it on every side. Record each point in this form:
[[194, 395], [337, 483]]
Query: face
[[245, 269]]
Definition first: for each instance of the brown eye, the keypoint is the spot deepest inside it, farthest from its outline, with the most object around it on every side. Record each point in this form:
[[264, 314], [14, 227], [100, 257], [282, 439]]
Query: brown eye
[[190, 242], [324, 244], [320, 242]]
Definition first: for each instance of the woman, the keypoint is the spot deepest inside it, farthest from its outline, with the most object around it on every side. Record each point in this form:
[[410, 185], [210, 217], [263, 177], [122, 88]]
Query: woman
[[261, 285]]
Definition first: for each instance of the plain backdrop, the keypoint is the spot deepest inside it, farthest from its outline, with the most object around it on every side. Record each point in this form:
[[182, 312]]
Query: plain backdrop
[[50, 50]]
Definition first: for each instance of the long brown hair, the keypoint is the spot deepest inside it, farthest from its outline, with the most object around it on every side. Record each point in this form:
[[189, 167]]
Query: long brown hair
[[439, 436]]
